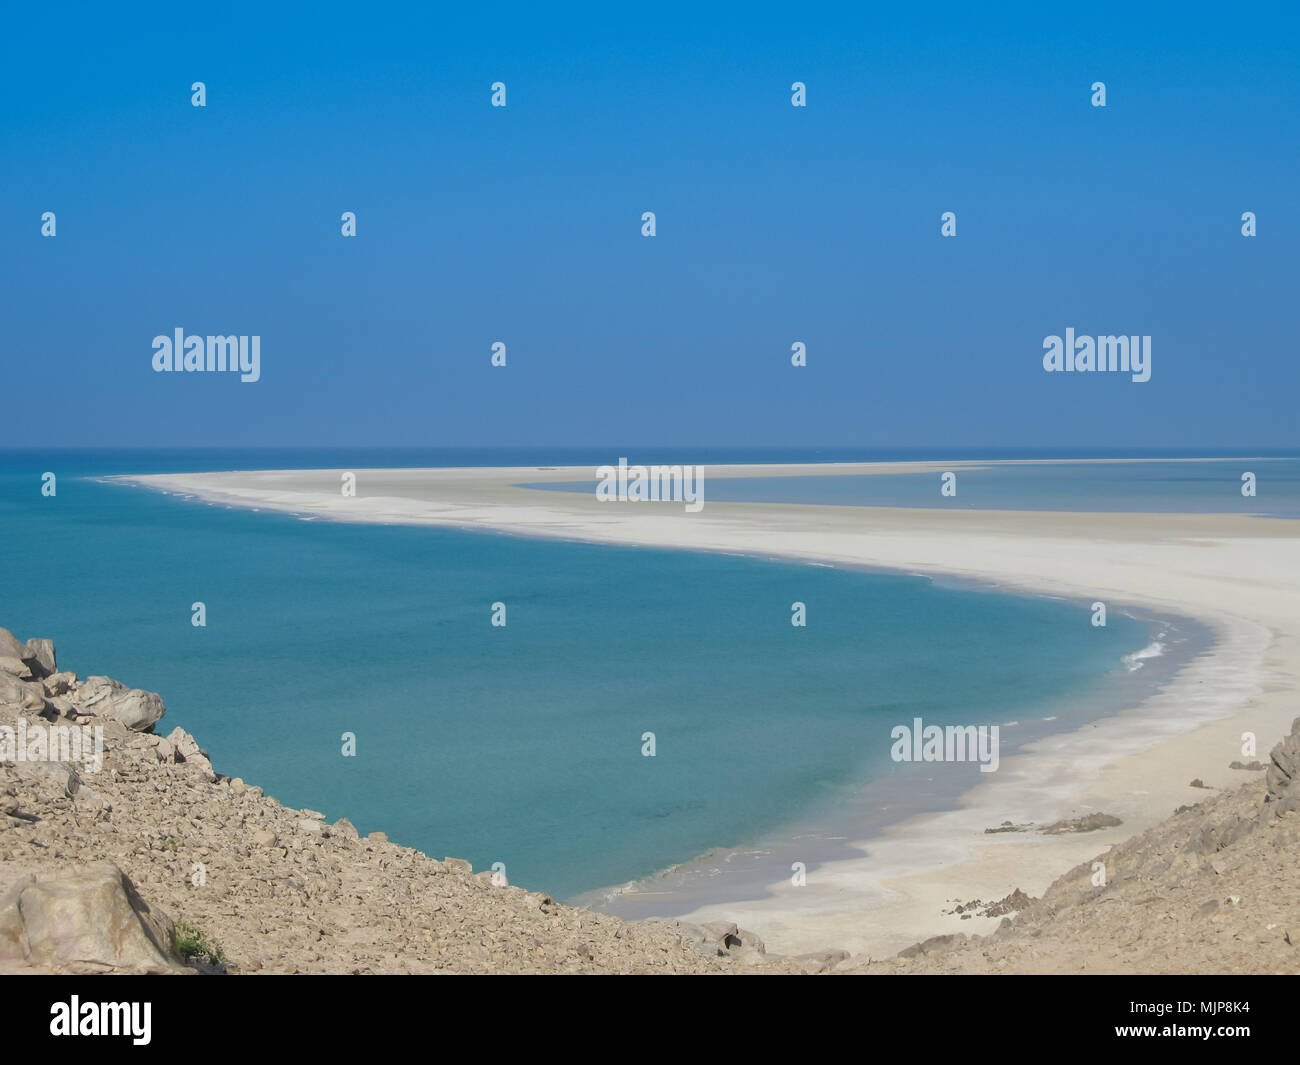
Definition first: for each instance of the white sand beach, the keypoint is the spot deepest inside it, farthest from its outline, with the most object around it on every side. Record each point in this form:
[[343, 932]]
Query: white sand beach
[[1240, 575]]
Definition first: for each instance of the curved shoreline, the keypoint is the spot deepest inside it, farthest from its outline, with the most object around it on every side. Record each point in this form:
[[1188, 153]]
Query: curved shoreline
[[1136, 764], [848, 828], [910, 871]]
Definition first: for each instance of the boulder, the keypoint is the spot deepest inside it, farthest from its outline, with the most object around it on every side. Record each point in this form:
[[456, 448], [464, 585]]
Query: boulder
[[185, 745], [27, 695], [11, 646], [186, 750], [730, 938], [62, 706], [95, 696], [104, 697], [41, 654], [87, 919], [16, 667], [60, 683], [138, 710], [721, 931], [344, 829]]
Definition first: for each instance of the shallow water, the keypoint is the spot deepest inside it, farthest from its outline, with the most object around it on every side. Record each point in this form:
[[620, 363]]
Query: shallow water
[[1159, 487]]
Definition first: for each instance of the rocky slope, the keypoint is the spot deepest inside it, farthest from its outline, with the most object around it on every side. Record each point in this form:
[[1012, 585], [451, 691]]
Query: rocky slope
[[145, 859]]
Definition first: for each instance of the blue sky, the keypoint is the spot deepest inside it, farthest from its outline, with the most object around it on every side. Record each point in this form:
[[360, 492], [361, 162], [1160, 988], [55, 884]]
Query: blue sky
[[775, 224]]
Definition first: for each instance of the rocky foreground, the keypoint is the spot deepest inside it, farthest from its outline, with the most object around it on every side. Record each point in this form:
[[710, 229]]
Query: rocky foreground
[[143, 859], [152, 862]]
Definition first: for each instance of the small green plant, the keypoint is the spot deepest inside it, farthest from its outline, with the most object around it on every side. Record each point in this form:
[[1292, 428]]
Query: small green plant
[[193, 943]]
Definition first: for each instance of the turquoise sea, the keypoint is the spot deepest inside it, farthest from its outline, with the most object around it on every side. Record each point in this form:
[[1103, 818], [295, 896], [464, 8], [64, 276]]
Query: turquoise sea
[[523, 744]]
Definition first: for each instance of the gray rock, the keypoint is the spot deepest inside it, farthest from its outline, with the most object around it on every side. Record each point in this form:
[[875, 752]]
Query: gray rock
[[344, 829], [184, 744], [16, 667], [63, 706], [95, 696], [41, 652], [60, 683], [11, 646], [86, 919], [25, 694], [720, 931], [185, 750], [729, 938], [138, 710]]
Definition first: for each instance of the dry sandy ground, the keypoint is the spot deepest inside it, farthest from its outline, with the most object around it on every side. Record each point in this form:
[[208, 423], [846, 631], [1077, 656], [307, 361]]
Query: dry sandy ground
[[1240, 575]]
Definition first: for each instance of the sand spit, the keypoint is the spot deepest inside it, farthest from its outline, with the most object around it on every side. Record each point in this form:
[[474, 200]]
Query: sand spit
[[1238, 575]]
